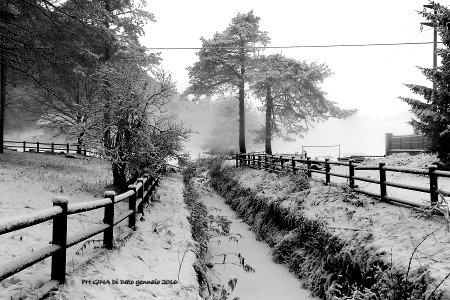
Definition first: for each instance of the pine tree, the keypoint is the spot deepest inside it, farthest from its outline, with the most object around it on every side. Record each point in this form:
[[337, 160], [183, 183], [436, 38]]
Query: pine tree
[[433, 112], [291, 96], [225, 60]]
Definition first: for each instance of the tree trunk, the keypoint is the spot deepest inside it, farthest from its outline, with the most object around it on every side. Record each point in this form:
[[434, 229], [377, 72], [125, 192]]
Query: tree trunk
[[269, 109], [119, 178], [107, 143], [242, 148], [2, 96], [80, 141]]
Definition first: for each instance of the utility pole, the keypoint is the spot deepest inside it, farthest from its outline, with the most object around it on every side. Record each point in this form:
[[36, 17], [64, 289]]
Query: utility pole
[[2, 94], [431, 24]]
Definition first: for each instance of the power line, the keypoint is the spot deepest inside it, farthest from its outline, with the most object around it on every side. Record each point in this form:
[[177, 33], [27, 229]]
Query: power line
[[297, 46]]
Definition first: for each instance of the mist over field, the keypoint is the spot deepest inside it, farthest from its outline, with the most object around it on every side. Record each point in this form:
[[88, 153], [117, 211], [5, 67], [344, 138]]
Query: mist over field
[[359, 134]]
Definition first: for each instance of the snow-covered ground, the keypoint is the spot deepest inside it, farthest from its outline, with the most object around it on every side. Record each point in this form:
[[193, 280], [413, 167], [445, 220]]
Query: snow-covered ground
[[29, 181], [420, 161], [156, 261], [396, 231]]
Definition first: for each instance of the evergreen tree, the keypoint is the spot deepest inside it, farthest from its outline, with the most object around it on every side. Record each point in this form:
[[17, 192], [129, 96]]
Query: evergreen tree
[[433, 112], [224, 62], [291, 96]]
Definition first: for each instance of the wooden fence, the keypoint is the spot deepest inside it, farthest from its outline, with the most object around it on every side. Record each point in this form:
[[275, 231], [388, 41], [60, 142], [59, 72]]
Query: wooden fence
[[138, 194], [293, 164], [38, 147]]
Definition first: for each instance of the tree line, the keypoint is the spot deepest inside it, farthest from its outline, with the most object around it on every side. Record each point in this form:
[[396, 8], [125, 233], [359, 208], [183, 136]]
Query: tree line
[[79, 67]]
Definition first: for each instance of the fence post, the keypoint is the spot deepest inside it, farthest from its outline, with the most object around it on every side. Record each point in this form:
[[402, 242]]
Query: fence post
[[259, 162], [132, 206], [84, 151], [265, 161], [237, 160], [327, 170], [281, 162], [108, 234], [59, 237], [351, 172], [293, 165], [37, 147], [383, 192], [24, 146], [140, 207], [433, 184], [53, 147], [67, 147], [146, 185], [253, 160], [308, 166]]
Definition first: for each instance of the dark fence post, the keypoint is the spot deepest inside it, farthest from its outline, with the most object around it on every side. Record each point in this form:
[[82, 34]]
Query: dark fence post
[[259, 162], [140, 208], [308, 166], [293, 165], [59, 237], [351, 171], [84, 151], [24, 146], [108, 234], [132, 206], [53, 147], [237, 160], [327, 170], [383, 192], [265, 162], [433, 184], [146, 185], [253, 160], [152, 188], [68, 148], [281, 162], [37, 147]]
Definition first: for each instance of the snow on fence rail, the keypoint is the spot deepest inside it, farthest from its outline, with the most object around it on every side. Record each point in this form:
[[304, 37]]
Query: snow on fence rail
[[293, 164], [138, 194], [38, 147]]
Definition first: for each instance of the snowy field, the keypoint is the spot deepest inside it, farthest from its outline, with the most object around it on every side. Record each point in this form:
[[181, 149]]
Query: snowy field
[[29, 181]]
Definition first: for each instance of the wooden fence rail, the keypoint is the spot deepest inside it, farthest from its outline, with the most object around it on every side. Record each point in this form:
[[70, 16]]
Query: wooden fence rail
[[280, 164], [38, 147], [138, 194]]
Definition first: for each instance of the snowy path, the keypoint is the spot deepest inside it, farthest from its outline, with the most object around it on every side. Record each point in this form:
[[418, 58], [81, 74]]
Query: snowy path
[[271, 280], [151, 253]]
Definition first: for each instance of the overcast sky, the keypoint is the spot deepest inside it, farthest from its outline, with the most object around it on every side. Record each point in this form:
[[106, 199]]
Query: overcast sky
[[367, 78]]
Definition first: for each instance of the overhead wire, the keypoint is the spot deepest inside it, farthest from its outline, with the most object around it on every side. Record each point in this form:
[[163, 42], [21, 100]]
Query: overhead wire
[[298, 46]]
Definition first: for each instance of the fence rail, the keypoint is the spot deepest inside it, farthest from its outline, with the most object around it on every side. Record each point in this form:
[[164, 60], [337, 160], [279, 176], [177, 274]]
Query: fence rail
[[293, 164], [138, 194], [39, 147]]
